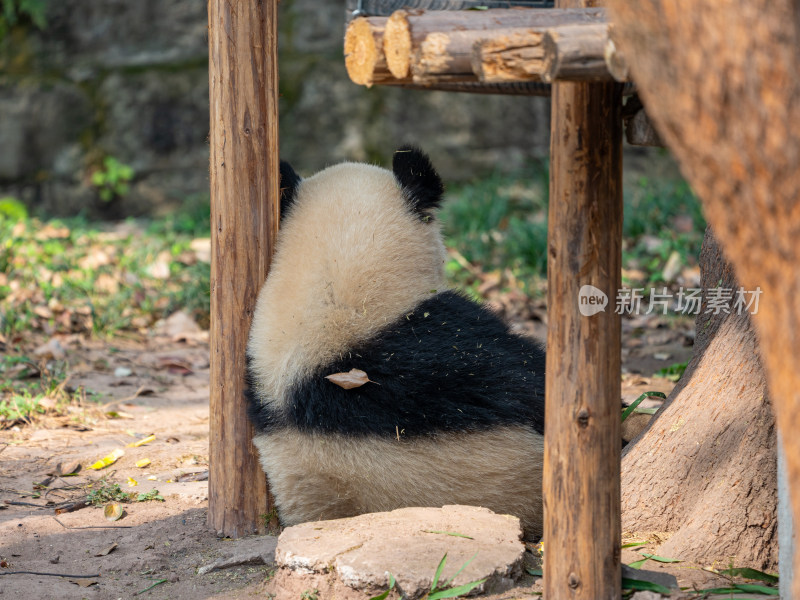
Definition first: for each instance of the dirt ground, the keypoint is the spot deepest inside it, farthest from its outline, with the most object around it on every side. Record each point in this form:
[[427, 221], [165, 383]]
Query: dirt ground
[[158, 386]]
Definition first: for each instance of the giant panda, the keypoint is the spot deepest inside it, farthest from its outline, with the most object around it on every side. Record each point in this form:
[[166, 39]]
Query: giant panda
[[453, 412]]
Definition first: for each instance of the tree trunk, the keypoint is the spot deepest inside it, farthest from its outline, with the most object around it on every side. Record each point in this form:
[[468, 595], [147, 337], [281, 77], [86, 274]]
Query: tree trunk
[[705, 469], [719, 79]]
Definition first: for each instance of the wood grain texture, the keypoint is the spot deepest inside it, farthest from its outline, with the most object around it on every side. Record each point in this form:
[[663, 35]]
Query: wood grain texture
[[705, 469], [576, 52], [384, 8], [363, 53], [438, 45], [719, 80], [581, 485], [243, 88]]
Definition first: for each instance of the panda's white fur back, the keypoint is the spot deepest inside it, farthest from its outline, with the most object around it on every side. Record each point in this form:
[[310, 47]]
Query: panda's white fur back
[[454, 411], [336, 279]]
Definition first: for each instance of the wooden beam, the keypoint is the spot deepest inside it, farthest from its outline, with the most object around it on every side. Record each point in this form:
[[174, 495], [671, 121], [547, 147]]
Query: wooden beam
[[581, 481], [438, 45], [577, 53], [580, 51], [243, 90]]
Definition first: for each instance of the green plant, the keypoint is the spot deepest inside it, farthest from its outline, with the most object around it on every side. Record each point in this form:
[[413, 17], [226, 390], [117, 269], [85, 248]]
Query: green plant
[[673, 372], [634, 405], [151, 495], [14, 12], [310, 595], [111, 492], [498, 223], [12, 209], [108, 492], [437, 592], [113, 179]]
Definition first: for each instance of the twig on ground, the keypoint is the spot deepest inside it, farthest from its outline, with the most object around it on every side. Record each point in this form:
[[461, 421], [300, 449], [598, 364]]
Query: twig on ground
[[18, 503], [49, 574], [135, 395]]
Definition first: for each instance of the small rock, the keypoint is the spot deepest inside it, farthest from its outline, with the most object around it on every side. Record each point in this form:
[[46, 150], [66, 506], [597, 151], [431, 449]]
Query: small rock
[[647, 596], [352, 557], [179, 324], [122, 372]]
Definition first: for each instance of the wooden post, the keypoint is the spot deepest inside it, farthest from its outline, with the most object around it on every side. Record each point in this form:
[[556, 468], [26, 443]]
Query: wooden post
[[581, 482], [243, 88]]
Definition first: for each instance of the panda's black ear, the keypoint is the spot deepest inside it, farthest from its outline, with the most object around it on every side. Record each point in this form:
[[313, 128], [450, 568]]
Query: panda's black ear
[[289, 183], [420, 182]]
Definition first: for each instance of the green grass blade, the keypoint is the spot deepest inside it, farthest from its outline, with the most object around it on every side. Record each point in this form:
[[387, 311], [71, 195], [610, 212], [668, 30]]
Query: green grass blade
[[636, 584], [633, 545], [455, 592], [534, 572], [752, 588], [750, 574], [637, 564], [627, 412], [464, 566], [389, 589], [438, 573], [661, 559], [453, 533], [150, 587]]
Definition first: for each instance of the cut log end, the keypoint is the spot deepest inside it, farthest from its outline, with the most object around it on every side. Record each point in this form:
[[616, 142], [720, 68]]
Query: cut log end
[[397, 44], [363, 50]]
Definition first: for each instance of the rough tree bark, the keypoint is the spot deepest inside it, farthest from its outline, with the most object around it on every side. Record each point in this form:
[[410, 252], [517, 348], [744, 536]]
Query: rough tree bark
[[719, 79], [705, 469]]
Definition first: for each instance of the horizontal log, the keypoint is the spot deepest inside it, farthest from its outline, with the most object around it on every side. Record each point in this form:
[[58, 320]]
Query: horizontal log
[[569, 52], [475, 51], [576, 53], [433, 46]]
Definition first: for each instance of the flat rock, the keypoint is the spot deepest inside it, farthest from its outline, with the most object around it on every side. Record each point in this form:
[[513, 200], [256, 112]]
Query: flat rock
[[353, 558]]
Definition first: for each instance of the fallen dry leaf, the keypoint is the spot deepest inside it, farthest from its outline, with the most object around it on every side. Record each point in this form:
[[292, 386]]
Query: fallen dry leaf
[[83, 582], [142, 463], [66, 468], [132, 482], [107, 551], [352, 379], [113, 511], [198, 476], [143, 441], [51, 349], [108, 460]]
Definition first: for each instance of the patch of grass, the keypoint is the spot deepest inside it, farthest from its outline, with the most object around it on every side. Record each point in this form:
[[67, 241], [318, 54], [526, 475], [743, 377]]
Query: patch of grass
[[673, 372], [29, 388], [499, 224], [111, 492], [108, 492], [661, 218], [73, 276]]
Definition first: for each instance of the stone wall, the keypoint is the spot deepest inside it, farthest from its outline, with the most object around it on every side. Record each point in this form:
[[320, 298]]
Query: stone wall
[[129, 80]]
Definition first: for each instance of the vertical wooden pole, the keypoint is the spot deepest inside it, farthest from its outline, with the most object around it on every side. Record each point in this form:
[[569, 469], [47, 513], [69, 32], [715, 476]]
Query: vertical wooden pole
[[243, 84], [581, 483]]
